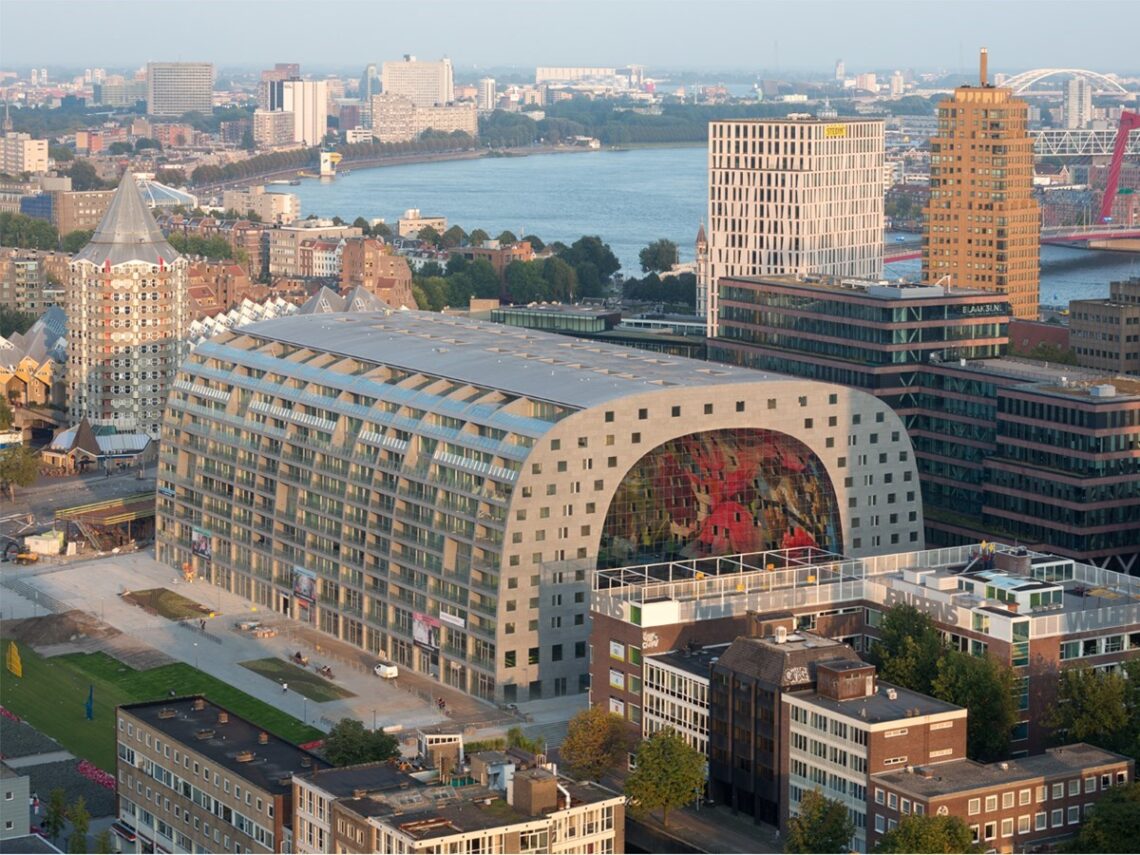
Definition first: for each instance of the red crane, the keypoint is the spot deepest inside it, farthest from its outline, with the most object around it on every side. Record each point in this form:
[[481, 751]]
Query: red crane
[[1128, 123]]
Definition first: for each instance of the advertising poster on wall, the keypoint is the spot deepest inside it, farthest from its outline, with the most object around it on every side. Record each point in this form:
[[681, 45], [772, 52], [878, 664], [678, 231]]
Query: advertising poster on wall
[[200, 543], [304, 584], [425, 632]]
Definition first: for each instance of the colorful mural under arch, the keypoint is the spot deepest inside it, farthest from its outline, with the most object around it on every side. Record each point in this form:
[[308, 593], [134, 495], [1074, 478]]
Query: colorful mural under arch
[[721, 493]]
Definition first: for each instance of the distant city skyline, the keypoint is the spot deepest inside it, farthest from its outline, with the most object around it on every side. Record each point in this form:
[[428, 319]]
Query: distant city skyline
[[666, 34]]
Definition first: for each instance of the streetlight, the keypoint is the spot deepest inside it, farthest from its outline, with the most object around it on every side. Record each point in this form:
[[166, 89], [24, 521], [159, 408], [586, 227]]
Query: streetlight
[[306, 708], [195, 654]]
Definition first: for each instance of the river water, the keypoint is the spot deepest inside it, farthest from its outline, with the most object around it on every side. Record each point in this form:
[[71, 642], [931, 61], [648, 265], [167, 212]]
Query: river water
[[629, 198]]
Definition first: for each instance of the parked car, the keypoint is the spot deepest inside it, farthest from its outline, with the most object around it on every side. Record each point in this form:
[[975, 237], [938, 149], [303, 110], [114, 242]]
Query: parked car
[[387, 670]]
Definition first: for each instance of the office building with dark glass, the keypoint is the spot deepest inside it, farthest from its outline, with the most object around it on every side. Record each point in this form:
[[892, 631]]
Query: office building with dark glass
[[439, 489], [1046, 455]]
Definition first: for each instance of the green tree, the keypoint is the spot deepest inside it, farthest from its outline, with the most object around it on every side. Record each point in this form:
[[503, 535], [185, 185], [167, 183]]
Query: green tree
[[984, 686], [525, 283], [561, 280], [363, 225], [60, 153], [484, 280], [104, 842], [119, 147], [517, 739], [1092, 706], [535, 242], [435, 293], [669, 773], [478, 237], [937, 834], [506, 238], [55, 814], [596, 742], [453, 237], [143, 143], [660, 255], [7, 418], [19, 467], [74, 241], [13, 321], [349, 743], [247, 141], [27, 232], [589, 249], [80, 823], [382, 230], [429, 236], [1112, 826], [908, 649], [822, 825], [84, 177]]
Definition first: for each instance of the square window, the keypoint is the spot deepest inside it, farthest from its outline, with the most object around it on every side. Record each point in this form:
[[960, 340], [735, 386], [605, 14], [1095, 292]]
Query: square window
[[771, 403], [708, 409], [675, 412], [991, 804], [740, 406], [1057, 818], [809, 423], [635, 438], [609, 415], [974, 807], [1007, 827], [643, 414], [1040, 821], [991, 830], [1074, 814], [1007, 800], [555, 444]]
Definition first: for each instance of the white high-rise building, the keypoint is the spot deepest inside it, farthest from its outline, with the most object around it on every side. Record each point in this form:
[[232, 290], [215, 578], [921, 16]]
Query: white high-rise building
[[792, 196], [307, 100], [1078, 103], [840, 70], [174, 88], [486, 98], [127, 318], [425, 84]]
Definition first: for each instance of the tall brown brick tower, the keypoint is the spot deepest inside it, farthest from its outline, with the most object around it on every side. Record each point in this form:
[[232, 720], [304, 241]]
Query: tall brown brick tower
[[983, 229]]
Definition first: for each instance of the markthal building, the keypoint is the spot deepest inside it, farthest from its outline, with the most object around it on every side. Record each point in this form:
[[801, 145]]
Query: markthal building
[[439, 490]]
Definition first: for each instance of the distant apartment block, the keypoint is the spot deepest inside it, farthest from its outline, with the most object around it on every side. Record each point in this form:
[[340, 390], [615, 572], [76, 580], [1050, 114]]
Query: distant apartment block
[[195, 777], [791, 196], [277, 208], [370, 264], [485, 98], [307, 102], [280, 71], [20, 153], [31, 280], [272, 128], [120, 93], [425, 84], [174, 88], [285, 244], [1105, 334], [396, 118], [412, 221]]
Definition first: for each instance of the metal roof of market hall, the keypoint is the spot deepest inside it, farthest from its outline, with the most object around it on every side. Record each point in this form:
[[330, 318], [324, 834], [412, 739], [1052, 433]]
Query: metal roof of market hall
[[127, 233], [575, 372]]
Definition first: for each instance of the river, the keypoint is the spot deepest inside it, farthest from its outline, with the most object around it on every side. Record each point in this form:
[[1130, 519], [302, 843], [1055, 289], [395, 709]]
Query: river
[[629, 198]]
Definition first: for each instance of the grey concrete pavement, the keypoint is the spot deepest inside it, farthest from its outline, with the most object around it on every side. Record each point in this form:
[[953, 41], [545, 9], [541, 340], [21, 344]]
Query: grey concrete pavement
[[95, 586]]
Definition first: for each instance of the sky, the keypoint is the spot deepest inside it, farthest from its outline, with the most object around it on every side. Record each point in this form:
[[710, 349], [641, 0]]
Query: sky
[[787, 35]]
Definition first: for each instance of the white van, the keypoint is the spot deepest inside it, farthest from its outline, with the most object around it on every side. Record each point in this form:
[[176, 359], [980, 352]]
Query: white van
[[387, 670]]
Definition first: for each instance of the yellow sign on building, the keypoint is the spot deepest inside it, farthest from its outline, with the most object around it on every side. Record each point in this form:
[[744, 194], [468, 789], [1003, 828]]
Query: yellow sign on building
[[835, 131]]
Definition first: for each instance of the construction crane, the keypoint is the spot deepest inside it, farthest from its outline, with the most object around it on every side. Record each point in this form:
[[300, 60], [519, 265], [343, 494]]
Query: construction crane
[[1128, 122]]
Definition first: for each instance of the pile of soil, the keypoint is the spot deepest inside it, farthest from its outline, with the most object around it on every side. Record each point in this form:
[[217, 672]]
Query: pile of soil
[[61, 628]]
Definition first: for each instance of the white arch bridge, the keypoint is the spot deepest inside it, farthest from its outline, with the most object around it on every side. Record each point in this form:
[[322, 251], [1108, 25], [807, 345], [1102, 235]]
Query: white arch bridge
[[1020, 83]]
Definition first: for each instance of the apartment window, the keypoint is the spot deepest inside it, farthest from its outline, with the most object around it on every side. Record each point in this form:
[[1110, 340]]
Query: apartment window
[[1058, 791], [974, 807], [609, 415], [675, 412], [893, 801], [635, 438], [1057, 818], [1023, 824], [879, 796], [905, 805], [708, 409], [880, 823], [1007, 828], [991, 830], [771, 403], [1023, 797], [1075, 787], [1090, 784], [975, 833], [643, 414], [1040, 821], [1007, 799], [991, 804], [1074, 814], [740, 406]]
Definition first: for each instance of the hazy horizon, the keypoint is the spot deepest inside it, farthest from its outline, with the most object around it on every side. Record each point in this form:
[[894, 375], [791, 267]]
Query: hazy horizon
[[718, 35]]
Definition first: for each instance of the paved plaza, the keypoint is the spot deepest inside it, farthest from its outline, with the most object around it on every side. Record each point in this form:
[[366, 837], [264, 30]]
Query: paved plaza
[[95, 586]]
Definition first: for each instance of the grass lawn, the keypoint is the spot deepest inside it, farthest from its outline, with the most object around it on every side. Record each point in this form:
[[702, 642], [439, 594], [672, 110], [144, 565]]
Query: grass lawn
[[304, 682], [170, 605], [52, 693]]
